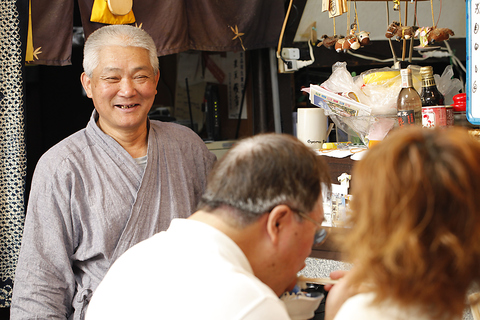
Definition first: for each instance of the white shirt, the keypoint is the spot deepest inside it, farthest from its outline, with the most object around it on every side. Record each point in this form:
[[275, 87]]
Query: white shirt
[[190, 271], [359, 307]]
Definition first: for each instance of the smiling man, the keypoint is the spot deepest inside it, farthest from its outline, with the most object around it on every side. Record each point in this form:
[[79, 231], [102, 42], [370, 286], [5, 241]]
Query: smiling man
[[107, 187], [232, 259]]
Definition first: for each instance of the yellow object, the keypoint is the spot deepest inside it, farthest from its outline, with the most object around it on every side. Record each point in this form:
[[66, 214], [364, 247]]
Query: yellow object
[[380, 77], [329, 146], [371, 143], [120, 7], [101, 13], [29, 52]]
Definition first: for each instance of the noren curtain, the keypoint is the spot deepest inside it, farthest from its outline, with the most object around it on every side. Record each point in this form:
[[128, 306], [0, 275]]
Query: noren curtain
[[175, 25]]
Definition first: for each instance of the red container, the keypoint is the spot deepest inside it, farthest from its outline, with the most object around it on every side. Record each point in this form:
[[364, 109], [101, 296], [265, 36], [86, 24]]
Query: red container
[[434, 116], [460, 102]]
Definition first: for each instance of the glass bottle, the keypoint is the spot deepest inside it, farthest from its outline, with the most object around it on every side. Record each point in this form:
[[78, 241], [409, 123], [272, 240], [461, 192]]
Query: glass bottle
[[409, 104], [430, 94]]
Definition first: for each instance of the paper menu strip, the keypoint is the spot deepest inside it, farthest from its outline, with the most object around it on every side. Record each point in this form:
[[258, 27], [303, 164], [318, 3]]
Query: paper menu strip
[[473, 61]]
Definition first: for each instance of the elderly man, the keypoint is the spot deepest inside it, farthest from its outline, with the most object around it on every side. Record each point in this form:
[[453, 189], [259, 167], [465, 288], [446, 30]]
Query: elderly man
[[107, 187], [238, 253]]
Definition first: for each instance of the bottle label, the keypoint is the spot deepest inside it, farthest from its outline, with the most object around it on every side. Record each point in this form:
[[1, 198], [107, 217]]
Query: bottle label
[[406, 81], [434, 117], [450, 116], [406, 118], [428, 82]]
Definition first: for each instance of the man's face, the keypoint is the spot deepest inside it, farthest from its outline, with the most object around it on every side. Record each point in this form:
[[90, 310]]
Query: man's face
[[123, 88], [301, 242]]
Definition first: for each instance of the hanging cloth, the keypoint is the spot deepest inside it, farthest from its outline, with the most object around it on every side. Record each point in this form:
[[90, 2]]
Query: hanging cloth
[[29, 51], [13, 169], [112, 12]]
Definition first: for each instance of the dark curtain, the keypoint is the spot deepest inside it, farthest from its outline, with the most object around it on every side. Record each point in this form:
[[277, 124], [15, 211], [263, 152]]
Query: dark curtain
[[12, 140], [175, 25]]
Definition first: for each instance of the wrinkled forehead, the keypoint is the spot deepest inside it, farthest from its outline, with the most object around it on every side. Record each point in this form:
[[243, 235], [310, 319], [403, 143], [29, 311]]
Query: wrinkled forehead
[[119, 57]]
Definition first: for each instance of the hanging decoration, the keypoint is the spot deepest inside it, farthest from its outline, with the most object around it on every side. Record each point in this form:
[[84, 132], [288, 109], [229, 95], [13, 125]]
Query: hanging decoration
[[395, 29], [354, 40], [238, 35], [31, 53], [428, 36], [112, 12], [396, 5]]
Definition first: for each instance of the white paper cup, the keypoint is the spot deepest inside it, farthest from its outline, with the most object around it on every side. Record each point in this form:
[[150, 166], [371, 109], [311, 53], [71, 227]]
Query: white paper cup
[[312, 127]]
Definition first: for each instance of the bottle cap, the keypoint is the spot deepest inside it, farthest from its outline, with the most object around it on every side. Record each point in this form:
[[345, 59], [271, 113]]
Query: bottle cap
[[460, 102], [426, 71], [459, 98]]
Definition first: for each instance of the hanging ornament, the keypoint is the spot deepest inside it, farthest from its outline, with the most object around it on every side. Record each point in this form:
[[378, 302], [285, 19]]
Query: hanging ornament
[[330, 42], [339, 45], [364, 38], [439, 34], [430, 36], [395, 29], [353, 40], [396, 5]]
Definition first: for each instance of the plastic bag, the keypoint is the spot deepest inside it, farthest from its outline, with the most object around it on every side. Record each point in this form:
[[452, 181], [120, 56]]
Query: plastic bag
[[381, 86], [448, 85], [341, 81], [380, 97]]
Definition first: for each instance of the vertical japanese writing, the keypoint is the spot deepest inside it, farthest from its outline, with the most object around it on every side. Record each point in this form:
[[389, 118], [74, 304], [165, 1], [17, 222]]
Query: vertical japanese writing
[[236, 86]]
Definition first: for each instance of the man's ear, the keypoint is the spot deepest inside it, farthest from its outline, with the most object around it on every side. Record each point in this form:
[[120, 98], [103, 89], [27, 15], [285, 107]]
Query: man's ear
[[278, 220], [86, 83]]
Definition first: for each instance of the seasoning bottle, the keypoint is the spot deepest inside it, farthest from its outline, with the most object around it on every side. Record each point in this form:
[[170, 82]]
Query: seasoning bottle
[[434, 113], [409, 104], [430, 95]]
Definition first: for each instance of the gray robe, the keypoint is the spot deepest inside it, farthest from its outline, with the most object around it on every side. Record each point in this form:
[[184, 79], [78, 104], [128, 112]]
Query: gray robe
[[89, 202]]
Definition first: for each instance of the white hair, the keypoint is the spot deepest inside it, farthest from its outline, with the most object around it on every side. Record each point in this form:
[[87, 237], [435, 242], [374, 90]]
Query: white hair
[[117, 35]]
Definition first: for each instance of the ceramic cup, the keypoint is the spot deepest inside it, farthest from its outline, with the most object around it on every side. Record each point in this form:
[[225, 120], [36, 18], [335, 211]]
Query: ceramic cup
[[312, 127]]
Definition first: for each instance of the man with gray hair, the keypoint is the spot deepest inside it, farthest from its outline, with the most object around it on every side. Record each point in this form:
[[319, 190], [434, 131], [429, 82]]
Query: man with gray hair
[[107, 187], [243, 247]]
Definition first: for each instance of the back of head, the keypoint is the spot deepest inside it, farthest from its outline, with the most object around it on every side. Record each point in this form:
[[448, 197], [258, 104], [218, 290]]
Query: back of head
[[117, 35], [415, 219], [263, 171]]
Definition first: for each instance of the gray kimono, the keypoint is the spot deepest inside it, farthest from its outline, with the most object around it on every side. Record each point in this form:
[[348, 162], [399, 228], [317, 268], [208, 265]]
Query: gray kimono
[[90, 202]]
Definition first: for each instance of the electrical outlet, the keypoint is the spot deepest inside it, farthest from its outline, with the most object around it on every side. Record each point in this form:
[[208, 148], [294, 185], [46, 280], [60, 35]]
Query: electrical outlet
[[287, 66], [291, 53]]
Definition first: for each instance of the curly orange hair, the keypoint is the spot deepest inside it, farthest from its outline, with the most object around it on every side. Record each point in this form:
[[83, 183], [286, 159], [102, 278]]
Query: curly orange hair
[[415, 219]]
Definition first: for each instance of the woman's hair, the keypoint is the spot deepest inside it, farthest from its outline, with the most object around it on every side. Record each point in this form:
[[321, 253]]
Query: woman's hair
[[415, 219], [264, 171], [117, 35]]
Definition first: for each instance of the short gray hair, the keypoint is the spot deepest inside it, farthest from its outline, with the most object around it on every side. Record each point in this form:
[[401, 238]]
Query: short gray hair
[[264, 171], [117, 35]]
